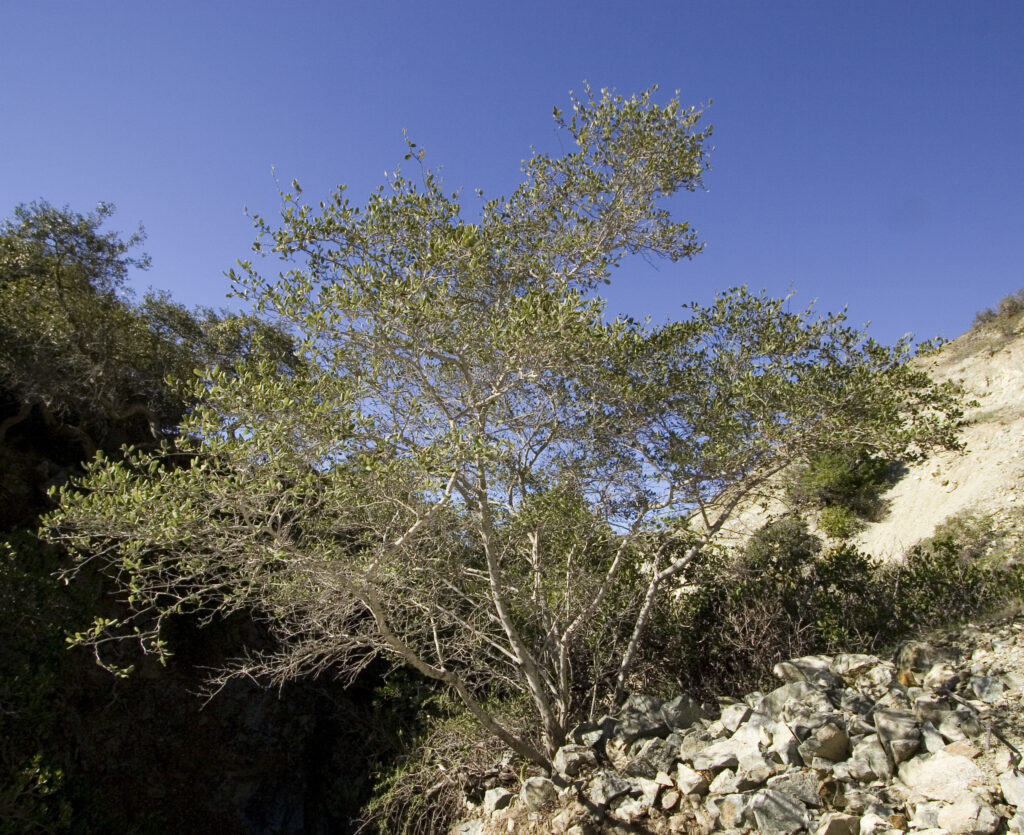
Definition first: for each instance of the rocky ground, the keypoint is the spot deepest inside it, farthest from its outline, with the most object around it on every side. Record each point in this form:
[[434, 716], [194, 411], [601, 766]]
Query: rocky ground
[[849, 743]]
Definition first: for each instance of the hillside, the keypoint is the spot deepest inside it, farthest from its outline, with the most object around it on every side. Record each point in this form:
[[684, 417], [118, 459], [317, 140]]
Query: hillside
[[988, 476], [985, 477]]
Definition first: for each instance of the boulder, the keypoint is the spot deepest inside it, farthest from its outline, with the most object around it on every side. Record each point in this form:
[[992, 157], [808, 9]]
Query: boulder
[[777, 812], [969, 815], [940, 776], [537, 792]]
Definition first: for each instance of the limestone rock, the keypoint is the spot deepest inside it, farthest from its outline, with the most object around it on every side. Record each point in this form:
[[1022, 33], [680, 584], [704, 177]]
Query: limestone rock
[[777, 812], [940, 776], [969, 815], [571, 760], [537, 792]]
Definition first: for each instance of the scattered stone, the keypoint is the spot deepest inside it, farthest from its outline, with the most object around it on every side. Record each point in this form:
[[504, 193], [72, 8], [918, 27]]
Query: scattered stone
[[669, 800], [735, 715], [606, 786], [777, 812], [969, 815], [836, 823], [537, 792], [941, 776], [571, 760], [817, 755], [655, 755], [497, 798], [681, 712], [1012, 784]]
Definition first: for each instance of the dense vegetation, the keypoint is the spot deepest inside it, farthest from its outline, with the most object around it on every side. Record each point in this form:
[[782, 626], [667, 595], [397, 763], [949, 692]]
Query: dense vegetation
[[423, 465]]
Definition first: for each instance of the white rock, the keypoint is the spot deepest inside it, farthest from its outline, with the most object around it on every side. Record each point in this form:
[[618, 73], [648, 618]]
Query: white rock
[[969, 815], [1012, 784], [941, 776]]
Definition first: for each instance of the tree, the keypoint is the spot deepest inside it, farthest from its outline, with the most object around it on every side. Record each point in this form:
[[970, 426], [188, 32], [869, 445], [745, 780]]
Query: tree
[[471, 471]]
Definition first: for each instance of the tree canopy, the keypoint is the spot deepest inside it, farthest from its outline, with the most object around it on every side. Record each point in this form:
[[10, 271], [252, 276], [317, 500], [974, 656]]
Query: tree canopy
[[468, 469]]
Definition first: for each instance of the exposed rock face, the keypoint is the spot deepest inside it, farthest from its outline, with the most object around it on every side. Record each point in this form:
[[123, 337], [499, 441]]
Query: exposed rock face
[[842, 746]]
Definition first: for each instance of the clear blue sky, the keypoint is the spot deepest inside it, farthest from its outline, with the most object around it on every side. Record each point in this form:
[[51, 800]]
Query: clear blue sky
[[868, 154]]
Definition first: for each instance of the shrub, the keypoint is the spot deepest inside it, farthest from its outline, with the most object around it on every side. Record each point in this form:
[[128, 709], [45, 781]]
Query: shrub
[[452, 760], [838, 522], [845, 487], [783, 596], [1004, 313]]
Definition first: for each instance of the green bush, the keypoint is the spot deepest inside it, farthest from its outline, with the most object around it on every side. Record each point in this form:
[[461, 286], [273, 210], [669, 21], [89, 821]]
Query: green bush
[[784, 596], [838, 521], [849, 479]]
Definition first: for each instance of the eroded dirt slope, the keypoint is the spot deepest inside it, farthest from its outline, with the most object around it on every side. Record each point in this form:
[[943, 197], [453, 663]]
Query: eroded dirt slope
[[988, 476]]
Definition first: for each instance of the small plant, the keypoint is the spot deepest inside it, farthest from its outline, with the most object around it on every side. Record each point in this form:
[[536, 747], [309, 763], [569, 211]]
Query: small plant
[[1005, 313], [839, 522]]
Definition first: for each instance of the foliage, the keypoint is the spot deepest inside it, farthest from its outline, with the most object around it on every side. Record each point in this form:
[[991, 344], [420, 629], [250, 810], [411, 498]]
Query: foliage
[[954, 575], [75, 349], [450, 761], [784, 596], [82, 367], [470, 465]]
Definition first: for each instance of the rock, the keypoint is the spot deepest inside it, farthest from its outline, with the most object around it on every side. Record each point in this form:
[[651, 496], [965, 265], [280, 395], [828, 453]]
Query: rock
[[870, 760], [606, 786], [735, 715], [986, 688], [772, 704], [681, 712], [725, 782], [693, 743], [836, 823], [537, 792], [893, 725], [931, 739], [669, 800], [903, 749], [473, 827], [649, 790], [732, 810], [958, 725], [940, 776], [801, 783], [921, 656], [630, 810], [640, 717], [850, 665], [872, 823], [570, 760], [690, 781], [777, 812], [754, 769], [1012, 784], [655, 755], [725, 753], [829, 742], [926, 814], [497, 798], [812, 668], [969, 815]]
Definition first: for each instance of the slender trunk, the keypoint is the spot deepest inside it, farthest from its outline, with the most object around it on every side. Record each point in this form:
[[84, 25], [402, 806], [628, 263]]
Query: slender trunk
[[554, 734], [642, 618], [411, 657]]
